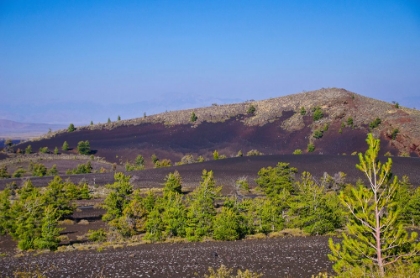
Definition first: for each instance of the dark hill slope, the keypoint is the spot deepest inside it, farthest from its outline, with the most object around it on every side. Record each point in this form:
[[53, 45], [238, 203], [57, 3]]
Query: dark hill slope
[[227, 171], [276, 127]]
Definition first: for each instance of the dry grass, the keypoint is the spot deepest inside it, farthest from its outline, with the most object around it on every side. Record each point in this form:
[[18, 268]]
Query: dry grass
[[83, 222], [256, 236], [66, 222], [288, 232]]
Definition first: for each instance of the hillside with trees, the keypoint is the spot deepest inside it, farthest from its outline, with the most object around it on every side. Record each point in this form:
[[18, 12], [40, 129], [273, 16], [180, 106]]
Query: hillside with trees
[[327, 121]]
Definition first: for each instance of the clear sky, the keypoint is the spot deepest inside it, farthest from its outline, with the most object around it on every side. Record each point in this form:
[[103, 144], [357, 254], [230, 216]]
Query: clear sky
[[73, 61]]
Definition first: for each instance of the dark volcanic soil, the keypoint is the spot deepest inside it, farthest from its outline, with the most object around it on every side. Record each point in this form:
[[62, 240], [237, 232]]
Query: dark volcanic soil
[[277, 257], [124, 143], [227, 171]]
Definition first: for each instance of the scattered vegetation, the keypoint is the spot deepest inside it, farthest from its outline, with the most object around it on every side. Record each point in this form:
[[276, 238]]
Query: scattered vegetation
[[215, 155], [318, 134], [297, 151], [85, 168], [251, 110], [44, 150], [138, 164], [4, 174], [18, 173], [394, 133], [97, 235], [311, 147], [83, 147], [350, 122], [224, 272], [163, 163], [375, 123], [71, 128], [254, 153], [303, 111], [38, 169], [193, 117], [65, 146], [317, 113], [38, 211]]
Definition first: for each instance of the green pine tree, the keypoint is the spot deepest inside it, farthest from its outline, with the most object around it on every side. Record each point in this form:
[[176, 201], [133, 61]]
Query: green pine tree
[[49, 230], [5, 216], [226, 225], [173, 184], [375, 238], [154, 226], [65, 146], [118, 199], [201, 209], [273, 180], [315, 210], [174, 216]]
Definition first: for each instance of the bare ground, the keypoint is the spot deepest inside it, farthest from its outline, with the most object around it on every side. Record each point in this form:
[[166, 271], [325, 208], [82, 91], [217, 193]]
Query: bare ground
[[276, 257]]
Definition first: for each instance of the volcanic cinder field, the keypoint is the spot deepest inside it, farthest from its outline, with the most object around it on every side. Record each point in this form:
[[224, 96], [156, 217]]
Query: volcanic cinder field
[[276, 130]]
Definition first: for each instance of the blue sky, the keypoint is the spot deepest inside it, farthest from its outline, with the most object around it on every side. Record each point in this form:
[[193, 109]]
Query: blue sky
[[76, 61]]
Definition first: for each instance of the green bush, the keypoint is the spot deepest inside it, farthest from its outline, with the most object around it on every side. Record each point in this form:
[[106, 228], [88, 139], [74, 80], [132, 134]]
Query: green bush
[[97, 235], [251, 110], [297, 151], [71, 128], [83, 147], [350, 121], [163, 163], [318, 134], [317, 113], [3, 172], [38, 169], [193, 117], [215, 155], [375, 123], [19, 172], [28, 149], [43, 150], [243, 184], [254, 153], [65, 146], [302, 111], [81, 169], [311, 147], [394, 133], [53, 171]]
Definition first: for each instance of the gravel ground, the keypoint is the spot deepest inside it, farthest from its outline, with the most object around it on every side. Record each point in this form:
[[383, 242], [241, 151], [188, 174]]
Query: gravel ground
[[276, 257]]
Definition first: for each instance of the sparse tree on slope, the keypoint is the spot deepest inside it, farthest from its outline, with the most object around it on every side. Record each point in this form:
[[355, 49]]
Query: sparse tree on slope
[[71, 128], [65, 146], [376, 237], [83, 147]]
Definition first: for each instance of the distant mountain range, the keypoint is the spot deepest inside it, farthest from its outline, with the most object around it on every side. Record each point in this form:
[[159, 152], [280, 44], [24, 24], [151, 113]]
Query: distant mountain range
[[17, 130]]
